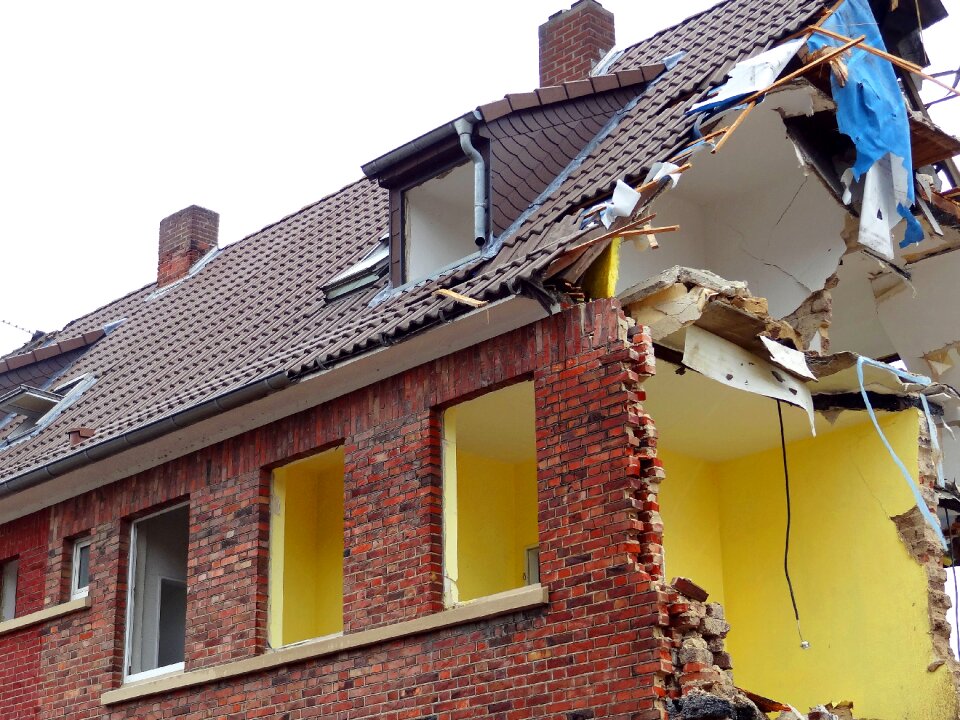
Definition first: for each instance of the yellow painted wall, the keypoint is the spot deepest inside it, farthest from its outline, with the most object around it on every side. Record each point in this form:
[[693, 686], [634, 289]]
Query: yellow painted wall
[[690, 508], [497, 516], [306, 549], [862, 597]]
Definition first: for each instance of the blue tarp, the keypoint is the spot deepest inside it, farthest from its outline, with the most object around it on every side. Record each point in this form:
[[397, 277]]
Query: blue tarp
[[870, 107]]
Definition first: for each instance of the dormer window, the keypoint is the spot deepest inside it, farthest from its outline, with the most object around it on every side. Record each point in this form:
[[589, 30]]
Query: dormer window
[[458, 190], [438, 222]]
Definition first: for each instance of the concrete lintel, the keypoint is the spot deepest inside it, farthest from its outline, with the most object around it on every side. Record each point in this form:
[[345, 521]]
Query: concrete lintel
[[48, 613], [510, 601]]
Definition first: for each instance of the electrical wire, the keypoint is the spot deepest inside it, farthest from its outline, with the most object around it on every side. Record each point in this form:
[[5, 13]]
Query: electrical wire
[[17, 327], [786, 546]]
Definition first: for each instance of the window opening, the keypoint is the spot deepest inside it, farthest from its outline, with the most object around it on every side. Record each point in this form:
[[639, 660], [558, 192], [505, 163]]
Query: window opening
[[80, 569], [306, 549], [157, 614], [438, 222], [8, 589], [491, 539]]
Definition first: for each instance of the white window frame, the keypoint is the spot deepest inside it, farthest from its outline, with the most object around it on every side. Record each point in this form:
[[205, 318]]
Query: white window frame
[[131, 581], [8, 600], [531, 557], [77, 592]]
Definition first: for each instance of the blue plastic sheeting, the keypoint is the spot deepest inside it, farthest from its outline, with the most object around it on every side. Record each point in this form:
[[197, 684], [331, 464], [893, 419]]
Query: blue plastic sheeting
[[870, 107]]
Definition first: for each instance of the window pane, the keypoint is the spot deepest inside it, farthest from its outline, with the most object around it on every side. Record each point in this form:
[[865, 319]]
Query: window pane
[[83, 566], [8, 589], [158, 606]]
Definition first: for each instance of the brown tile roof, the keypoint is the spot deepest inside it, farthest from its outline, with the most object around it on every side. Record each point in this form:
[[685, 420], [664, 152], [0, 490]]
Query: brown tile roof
[[541, 97], [258, 309]]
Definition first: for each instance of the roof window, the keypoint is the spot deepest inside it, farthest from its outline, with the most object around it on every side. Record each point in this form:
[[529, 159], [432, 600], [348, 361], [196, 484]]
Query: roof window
[[38, 408], [367, 271]]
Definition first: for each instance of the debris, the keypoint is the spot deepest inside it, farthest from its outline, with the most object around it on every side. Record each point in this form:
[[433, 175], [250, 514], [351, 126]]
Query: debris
[[736, 123], [620, 205], [749, 76], [872, 113], [791, 360], [731, 365], [453, 295], [764, 704], [688, 588]]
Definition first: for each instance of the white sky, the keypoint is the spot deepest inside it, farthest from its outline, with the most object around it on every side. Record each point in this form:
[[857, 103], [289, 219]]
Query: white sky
[[117, 114]]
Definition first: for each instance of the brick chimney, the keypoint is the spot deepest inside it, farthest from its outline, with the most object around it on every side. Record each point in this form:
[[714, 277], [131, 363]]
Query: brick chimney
[[573, 41], [185, 237]]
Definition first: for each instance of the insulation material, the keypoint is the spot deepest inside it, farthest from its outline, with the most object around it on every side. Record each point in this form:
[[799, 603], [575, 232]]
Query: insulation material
[[871, 111], [621, 205], [789, 359], [750, 76], [733, 366]]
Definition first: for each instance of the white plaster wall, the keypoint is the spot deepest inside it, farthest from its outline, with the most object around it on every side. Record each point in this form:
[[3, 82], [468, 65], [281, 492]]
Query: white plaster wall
[[439, 222]]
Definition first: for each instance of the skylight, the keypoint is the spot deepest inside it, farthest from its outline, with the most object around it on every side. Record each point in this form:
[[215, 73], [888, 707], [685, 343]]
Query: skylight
[[367, 271]]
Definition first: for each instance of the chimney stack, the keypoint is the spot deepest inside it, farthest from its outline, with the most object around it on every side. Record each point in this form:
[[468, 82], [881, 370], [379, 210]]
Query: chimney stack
[[573, 41], [185, 237]]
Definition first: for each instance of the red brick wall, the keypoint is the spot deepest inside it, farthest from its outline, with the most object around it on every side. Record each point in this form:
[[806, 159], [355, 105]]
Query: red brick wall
[[185, 237], [573, 41], [26, 540], [597, 650]]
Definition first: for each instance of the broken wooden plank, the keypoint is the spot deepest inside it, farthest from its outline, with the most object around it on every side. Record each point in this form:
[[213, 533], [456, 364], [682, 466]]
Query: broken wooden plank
[[736, 123], [459, 297], [648, 231], [899, 62], [807, 68]]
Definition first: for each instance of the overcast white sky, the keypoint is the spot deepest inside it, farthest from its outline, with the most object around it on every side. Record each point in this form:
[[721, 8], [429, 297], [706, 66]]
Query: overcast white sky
[[116, 114]]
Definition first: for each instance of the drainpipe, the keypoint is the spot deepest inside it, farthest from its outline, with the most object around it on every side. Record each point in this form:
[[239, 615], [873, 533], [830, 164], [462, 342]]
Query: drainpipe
[[464, 128]]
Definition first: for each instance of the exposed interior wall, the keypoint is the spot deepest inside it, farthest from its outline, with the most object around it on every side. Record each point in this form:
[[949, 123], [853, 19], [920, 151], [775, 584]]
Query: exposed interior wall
[[753, 212], [306, 549], [438, 222], [690, 508], [490, 491], [862, 596]]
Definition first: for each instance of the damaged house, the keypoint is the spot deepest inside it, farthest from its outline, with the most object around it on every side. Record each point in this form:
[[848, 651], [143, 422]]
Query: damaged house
[[631, 396]]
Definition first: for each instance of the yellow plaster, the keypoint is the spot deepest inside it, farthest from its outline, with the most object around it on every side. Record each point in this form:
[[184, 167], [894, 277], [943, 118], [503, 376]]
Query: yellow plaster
[[690, 508], [306, 549], [862, 597], [490, 495], [600, 280]]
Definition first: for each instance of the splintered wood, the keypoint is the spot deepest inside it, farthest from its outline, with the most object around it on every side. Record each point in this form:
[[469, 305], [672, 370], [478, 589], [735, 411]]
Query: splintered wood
[[465, 299]]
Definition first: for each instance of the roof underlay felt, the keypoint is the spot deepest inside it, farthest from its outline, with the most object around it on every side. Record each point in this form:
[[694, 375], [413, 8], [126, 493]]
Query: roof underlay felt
[[258, 307]]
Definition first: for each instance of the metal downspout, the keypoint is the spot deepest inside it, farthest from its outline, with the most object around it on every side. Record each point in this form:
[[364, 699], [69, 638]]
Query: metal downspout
[[464, 128]]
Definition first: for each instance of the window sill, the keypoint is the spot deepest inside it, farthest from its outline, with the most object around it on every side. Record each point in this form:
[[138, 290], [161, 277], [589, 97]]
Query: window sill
[[48, 613], [507, 602]]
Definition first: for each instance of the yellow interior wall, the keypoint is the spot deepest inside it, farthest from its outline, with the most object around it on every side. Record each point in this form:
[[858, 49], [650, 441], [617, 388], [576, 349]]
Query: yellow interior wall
[[600, 280], [690, 508], [862, 598], [497, 515], [306, 549]]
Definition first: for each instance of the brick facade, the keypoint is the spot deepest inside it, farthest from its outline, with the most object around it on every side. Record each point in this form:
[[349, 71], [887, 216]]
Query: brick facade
[[597, 650], [185, 237], [572, 42]]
